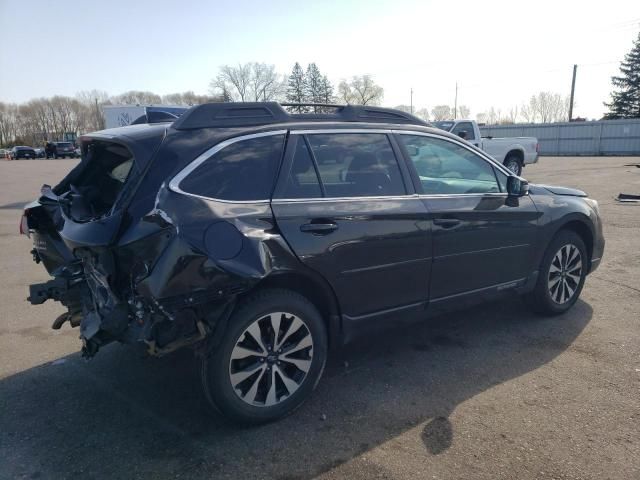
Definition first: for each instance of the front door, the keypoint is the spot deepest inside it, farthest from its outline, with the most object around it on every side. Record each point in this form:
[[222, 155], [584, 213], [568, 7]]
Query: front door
[[482, 239], [346, 207]]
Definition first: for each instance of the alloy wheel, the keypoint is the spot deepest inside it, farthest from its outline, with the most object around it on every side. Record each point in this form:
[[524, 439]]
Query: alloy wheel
[[565, 274], [271, 359]]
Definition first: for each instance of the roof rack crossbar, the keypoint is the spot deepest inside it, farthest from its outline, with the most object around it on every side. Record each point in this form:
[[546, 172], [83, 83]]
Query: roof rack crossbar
[[240, 114]]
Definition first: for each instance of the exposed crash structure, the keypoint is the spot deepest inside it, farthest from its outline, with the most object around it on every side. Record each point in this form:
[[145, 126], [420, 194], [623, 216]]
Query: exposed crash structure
[[139, 271]]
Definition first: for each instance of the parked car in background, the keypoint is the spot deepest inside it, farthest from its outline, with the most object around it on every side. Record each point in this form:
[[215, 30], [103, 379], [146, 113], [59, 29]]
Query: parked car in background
[[514, 153], [39, 152], [123, 115], [224, 232], [5, 154], [60, 150], [20, 152]]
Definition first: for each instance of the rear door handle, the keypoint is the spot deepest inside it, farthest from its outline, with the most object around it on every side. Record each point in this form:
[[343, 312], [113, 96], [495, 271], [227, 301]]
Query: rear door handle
[[320, 228], [446, 222]]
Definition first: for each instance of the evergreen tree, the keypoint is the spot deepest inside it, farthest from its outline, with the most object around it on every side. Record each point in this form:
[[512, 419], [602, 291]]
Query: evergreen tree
[[326, 90], [626, 100], [313, 86], [297, 87]]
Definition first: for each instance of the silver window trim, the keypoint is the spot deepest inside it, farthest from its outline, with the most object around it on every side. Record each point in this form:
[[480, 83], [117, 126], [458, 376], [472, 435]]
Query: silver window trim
[[341, 130], [174, 184]]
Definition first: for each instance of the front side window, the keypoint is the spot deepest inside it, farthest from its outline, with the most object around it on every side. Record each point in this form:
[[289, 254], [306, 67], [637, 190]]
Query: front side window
[[445, 167], [464, 127], [242, 171], [356, 164]]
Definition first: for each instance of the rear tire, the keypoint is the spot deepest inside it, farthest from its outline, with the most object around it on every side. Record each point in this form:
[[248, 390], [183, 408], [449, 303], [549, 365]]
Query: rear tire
[[258, 374], [513, 163], [561, 275]]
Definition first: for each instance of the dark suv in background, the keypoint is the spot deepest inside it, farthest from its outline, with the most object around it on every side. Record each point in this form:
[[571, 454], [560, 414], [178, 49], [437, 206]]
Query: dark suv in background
[[262, 238], [60, 150]]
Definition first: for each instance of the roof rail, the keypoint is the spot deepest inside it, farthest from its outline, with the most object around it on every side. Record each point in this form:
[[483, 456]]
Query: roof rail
[[244, 114]]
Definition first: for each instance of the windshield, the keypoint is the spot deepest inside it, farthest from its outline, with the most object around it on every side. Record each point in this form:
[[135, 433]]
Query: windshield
[[64, 144], [446, 125]]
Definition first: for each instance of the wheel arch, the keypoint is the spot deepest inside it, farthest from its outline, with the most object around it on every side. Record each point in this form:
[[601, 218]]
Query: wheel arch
[[515, 152], [583, 228], [315, 289]]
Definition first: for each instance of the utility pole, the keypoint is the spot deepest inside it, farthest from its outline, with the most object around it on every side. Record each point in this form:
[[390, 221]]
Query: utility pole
[[411, 101], [97, 114], [573, 89], [455, 105]]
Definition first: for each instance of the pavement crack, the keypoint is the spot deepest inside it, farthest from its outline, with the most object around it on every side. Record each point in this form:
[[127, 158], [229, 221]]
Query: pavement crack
[[619, 284]]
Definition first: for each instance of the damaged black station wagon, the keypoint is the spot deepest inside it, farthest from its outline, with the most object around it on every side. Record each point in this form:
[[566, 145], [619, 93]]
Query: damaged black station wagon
[[261, 238]]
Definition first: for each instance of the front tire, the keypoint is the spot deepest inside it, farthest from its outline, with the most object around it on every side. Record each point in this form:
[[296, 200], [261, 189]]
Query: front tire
[[561, 275], [271, 358]]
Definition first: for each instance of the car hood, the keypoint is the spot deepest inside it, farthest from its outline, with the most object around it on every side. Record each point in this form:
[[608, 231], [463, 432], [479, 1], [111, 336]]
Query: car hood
[[573, 192]]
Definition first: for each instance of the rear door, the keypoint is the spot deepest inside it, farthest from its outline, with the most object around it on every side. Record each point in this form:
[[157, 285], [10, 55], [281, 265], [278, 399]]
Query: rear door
[[482, 238], [354, 218]]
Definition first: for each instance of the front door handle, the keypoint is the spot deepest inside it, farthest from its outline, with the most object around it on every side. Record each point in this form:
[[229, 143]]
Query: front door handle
[[446, 222], [318, 228]]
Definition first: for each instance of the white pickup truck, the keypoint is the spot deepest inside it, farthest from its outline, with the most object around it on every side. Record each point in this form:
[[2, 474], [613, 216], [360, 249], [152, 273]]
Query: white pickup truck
[[513, 152]]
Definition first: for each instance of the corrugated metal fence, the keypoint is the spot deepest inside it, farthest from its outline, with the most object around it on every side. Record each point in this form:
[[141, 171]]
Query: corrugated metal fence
[[604, 137]]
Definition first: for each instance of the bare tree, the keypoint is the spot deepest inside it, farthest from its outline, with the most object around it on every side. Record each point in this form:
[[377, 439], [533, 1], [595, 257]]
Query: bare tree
[[248, 82], [423, 113], [266, 84], [546, 107], [441, 112], [345, 92], [512, 116], [93, 101], [464, 111], [494, 116], [137, 97], [8, 122], [365, 91], [189, 98], [234, 80], [482, 117]]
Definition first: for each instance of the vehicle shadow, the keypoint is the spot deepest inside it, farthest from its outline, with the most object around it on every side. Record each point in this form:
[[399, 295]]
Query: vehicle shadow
[[125, 416]]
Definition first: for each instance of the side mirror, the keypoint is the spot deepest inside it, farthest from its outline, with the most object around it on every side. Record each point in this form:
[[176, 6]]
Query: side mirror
[[516, 186], [462, 134]]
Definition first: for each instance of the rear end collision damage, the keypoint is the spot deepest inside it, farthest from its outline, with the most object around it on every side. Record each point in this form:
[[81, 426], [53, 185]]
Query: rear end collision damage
[[161, 285]]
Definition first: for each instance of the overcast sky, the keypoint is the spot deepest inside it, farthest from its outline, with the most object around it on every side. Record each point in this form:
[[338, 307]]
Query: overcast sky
[[500, 53]]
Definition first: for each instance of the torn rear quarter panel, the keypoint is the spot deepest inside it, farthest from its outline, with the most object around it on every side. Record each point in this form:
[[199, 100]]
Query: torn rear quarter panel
[[165, 268]]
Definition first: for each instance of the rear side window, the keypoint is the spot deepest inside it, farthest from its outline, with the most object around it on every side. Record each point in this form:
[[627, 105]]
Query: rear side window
[[302, 181], [244, 170], [356, 164]]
